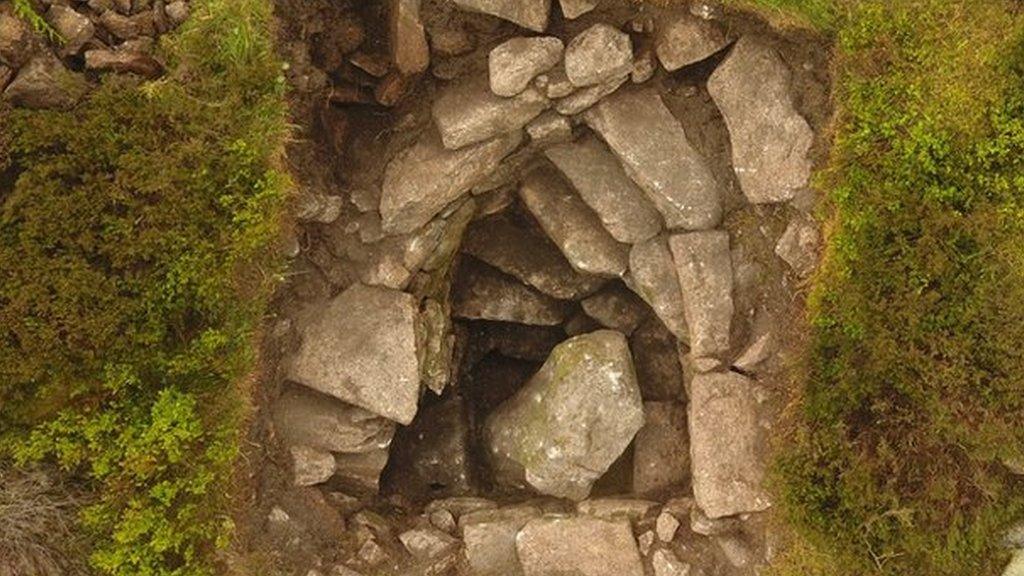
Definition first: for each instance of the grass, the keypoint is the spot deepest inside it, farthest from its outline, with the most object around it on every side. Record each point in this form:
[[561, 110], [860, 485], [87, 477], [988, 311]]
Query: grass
[[136, 236]]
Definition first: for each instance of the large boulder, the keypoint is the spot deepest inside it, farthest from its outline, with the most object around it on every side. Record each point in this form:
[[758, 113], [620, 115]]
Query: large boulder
[[657, 155], [685, 40], [469, 112], [532, 14], [571, 421], [770, 139], [704, 265], [598, 54], [726, 445], [581, 546], [361, 347], [514, 63], [45, 83]]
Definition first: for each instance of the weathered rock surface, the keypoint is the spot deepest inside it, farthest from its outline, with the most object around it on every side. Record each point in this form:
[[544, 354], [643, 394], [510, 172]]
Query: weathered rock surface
[[360, 470], [490, 540], [571, 421], [661, 453], [15, 41], [583, 546], [654, 275], [704, 266], [424, 179], [75, 29], [427, 542], [45, 83], [532, 14], [584, 98], [549, 128], [598, 54], [514, 63], [665, 563], [572, 225], [666, 526], [759, 350], [123, 61], [657, 155], [616, 307], [431, 457], [725, 445], [656, 358], [594, 172], [306, 417], [770, 139], [361, 347], [685, 40], [798, 245], [573, 9], [311, 466], [409, 50], [483, 293], [632, 509], [469, 112]]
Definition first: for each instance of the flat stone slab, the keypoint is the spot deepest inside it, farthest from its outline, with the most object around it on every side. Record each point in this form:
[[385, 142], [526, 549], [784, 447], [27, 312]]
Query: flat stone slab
[[595, 173], [572, 225], [514, 63], [532, 14], [686, 40], [661, 453], [469, 112], [655, 279], [571, 421], [704, 265], [770, 139], [425, 178], [490, 540], [657, 155], [581, 546], [529, 257], [303, 416], [360, 347], [483, 293], [598, 54], [725, 445]]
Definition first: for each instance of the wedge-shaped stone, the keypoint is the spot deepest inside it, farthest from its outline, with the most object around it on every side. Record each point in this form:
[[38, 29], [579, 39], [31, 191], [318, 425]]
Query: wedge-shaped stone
[[704, 266], [597, 55], [656, 154], [303, 416], [572, 225], [361, 347], [424, 179], [685, 40], [514, 63], [725, 445], [770, 139], [469, 112], [655, 279], [623, 208], [571, 421], [532, 14], [614, 508], [581, 546], [483, 293]]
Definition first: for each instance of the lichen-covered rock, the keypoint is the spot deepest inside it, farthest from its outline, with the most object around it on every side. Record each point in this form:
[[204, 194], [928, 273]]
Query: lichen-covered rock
[[704, 265], [45, 83], [654, 277], [532, 14], [409, 50], [770, 139], [490, 539], [469, 112], [306, 417], [582, 546], [571, 421], [598, 54], [685, 40], [483, 293], [361, 347], [661, 453], [514, 63]]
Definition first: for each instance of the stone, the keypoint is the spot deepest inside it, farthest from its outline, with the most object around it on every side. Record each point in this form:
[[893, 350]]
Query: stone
[[409, 50], [483, 293], [427, 543], [580, 323], [584, 98], [758, 351], [657, 155], [177, 12], [726, 444], [572, 225], [320, 208], [770, 139], [686, 40], [45, 83], [656, 358], [530, 14], [15, 41], [75, 29], [513, 64], [302, 416], [666, 526], [645, 541], [632, 509], [490, 540], [601, 182], [451, 41], [644, 67], [361, 347], [468, 112], [582, 546], [442, 520], [371, 554], [5, 76], [665, 563], [311, 466], [656, 281], [460, 505], [616, 307], [798, 245], [573, 9], [431, 457], [704, 266], [361, 470], [598, 54], [425, 178], [127, 27], [123, 61], [661, 452], [566, 426], [1016, 565], [556, 84], [707, 9], [549, 128], [374, 64], [392, 88], [701, 524]]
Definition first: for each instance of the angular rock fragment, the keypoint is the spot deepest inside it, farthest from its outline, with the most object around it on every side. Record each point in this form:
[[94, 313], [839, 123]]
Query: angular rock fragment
[[656, 358], [598, 54], [490, 540], [431, 457], [661, 453], [460, 505], [725, 445], [666, 526], [616, 508], [424, 179], [128, 27], [685, 40], [177, 11], [555, 83], [701, 524], [758, 351], [123, 61], [306, 417], [654, 276], [770, 139], [483, 293], [532, 14], [704, 266], [514, 63], [549, 128], [361, 347], [643, 68], [311, 466], [427, 542], [584, 98], [409, 50], [75, 29], [15, 41], [572, 225], [665, 563], [571, 421], [583, 546], [469, 112], [657, 155], [599, 179], [45, 83], [616, 307], [798, 245], [573, 9]]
